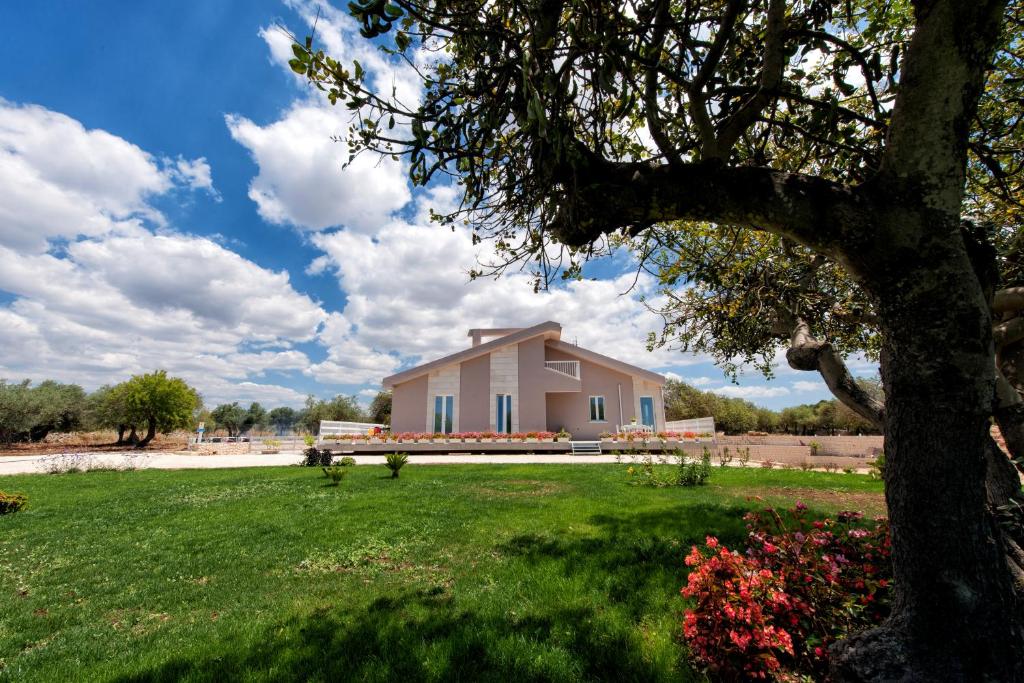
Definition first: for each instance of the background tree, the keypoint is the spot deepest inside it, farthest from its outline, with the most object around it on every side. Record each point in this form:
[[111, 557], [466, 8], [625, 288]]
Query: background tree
[[573, 123], [160, 403], [282, 418], [30, 413], [380, 408], [107, 408], [255, 418], [230, 416], [343, 408]]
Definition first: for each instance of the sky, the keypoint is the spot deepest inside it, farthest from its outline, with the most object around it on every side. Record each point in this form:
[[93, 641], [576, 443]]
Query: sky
[[170, 197]]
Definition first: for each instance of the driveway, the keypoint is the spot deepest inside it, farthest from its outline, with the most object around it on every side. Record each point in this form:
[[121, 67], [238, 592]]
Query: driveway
[[31, 464]]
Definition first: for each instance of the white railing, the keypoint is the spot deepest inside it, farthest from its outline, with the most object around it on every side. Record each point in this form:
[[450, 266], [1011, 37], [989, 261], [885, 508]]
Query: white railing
[[328, 427], [570, 368], [700, 425]]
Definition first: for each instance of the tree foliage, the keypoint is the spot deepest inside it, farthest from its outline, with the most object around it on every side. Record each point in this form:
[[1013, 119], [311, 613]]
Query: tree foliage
[[30, 413], [380, 408], [160, 403]]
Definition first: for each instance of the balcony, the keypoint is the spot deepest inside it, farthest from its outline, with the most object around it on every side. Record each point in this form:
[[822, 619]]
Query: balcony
[[568, 368]]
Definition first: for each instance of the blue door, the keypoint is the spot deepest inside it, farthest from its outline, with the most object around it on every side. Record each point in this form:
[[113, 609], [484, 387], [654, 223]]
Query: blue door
[[647, 411]]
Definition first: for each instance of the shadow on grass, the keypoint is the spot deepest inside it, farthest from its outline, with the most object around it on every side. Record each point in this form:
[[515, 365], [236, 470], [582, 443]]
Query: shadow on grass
[[419, 636], [634, 563]]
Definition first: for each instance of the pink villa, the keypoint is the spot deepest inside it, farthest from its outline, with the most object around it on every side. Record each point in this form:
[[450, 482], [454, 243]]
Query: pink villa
[[525, 380]]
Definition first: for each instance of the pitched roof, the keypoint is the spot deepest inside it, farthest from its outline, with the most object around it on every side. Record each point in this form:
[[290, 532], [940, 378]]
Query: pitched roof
[[546, 328], [599, 359]]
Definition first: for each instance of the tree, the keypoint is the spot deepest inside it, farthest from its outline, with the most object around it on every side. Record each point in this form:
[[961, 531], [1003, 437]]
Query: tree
[[255, 418], [230, 416], [573, 123], [282, 418], [161, 403], [107, 408], [30, 413], [344, 408], [380, 408]]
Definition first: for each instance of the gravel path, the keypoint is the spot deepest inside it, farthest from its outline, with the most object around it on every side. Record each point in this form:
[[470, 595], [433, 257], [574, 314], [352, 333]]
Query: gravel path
[[31, 464]]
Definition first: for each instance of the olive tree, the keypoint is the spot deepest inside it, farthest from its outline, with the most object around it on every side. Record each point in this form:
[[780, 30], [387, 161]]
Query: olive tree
[[840, 132]]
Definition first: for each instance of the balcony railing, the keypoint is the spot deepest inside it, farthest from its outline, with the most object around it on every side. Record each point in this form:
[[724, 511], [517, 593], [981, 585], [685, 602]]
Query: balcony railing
[[569, 368]]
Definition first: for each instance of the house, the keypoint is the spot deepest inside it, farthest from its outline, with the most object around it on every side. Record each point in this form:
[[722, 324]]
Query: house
[[525, 380]]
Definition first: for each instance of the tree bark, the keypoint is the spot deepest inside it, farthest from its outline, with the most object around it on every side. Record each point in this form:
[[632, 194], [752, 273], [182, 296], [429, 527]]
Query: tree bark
[[150, 433], [121, 429], [957, 615]]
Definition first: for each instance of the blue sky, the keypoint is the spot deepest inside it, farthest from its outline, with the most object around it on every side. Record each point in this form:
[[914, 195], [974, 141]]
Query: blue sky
[[170, 197]]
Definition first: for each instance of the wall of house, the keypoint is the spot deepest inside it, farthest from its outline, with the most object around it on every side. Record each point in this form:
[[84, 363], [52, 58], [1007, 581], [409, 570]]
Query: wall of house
[[642, 387], [407, 403], [571, 411], [474, 395], [532, 386], [443, 382], [504, 379]]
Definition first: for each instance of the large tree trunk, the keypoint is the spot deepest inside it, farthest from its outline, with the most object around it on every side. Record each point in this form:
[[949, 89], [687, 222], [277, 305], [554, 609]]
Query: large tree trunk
[[957, 615], [121, 429], [150, 433]]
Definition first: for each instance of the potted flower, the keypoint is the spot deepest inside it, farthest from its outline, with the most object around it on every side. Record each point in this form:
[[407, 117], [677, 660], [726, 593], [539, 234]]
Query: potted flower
[[532, 437], [438, 437], [487, 437]]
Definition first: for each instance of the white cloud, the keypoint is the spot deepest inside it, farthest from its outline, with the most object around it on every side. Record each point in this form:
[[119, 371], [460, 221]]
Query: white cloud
[[750, 392], [804, 385], [60, 180], [116, 298], [301, 181]]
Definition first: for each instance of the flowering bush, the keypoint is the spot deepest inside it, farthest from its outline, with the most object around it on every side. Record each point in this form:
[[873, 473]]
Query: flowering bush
[[802, 584]]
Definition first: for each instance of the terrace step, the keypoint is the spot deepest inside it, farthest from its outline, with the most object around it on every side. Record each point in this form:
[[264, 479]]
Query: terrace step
[[586, 447]]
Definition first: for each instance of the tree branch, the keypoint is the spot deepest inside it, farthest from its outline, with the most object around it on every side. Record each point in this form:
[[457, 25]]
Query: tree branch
[[1009, 299], [807, 353], [601, 197]]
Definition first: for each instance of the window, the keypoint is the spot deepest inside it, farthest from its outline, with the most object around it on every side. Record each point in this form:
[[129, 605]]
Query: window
[[647, 411], [444, 409], [503, 414], [597, 408]]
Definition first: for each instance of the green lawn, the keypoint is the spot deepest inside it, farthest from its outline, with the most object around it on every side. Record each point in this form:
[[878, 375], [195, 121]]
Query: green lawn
[[471, 572]]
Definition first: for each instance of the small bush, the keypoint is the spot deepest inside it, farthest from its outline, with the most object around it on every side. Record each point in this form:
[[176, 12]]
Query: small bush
[[309, 440], [12, 502], [644, 471], [772, 611], [743, 455], [395, 462], [815, 447], [848, 470], [347, 461], [768, 464], [877, 470], [806, 465], [831, 467], [335, 473], [315, 457], [724, 457]]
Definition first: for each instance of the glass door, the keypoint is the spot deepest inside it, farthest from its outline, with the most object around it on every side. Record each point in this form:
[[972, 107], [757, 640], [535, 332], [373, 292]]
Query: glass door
[[503, 413], [647, 411], [444, 410]]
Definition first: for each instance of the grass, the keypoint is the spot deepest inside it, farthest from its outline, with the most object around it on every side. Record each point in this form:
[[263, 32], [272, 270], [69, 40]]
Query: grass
[[472, 572]]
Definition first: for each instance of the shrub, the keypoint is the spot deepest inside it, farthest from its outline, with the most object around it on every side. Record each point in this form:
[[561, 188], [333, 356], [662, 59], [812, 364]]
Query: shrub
[[743, 455], [315, 457], [309, 440], [848, 470], [831, 467], [815, 447], [877, 470], [772, 611], [767, 464], [724, 457], [685, 473], [347, 461], [395, 462], [335, 473], [806, 465], [12, 502]]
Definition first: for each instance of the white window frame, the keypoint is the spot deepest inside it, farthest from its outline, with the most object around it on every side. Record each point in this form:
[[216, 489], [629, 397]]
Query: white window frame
[[597, 408], [445, 417]]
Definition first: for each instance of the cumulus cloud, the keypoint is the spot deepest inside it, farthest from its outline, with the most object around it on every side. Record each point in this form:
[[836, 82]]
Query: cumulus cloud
[[301, 181], [750, 392], [118, 298], [60, 180], [804, 385]]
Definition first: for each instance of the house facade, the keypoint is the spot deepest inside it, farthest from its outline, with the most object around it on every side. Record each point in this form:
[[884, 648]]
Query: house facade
[[525, 380]]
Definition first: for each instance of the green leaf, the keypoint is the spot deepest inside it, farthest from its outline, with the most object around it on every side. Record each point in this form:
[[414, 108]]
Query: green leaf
[[297, 66]]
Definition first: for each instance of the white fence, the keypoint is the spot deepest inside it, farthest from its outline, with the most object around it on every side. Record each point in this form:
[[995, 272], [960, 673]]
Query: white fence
[[700, 425], [329, 427]]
